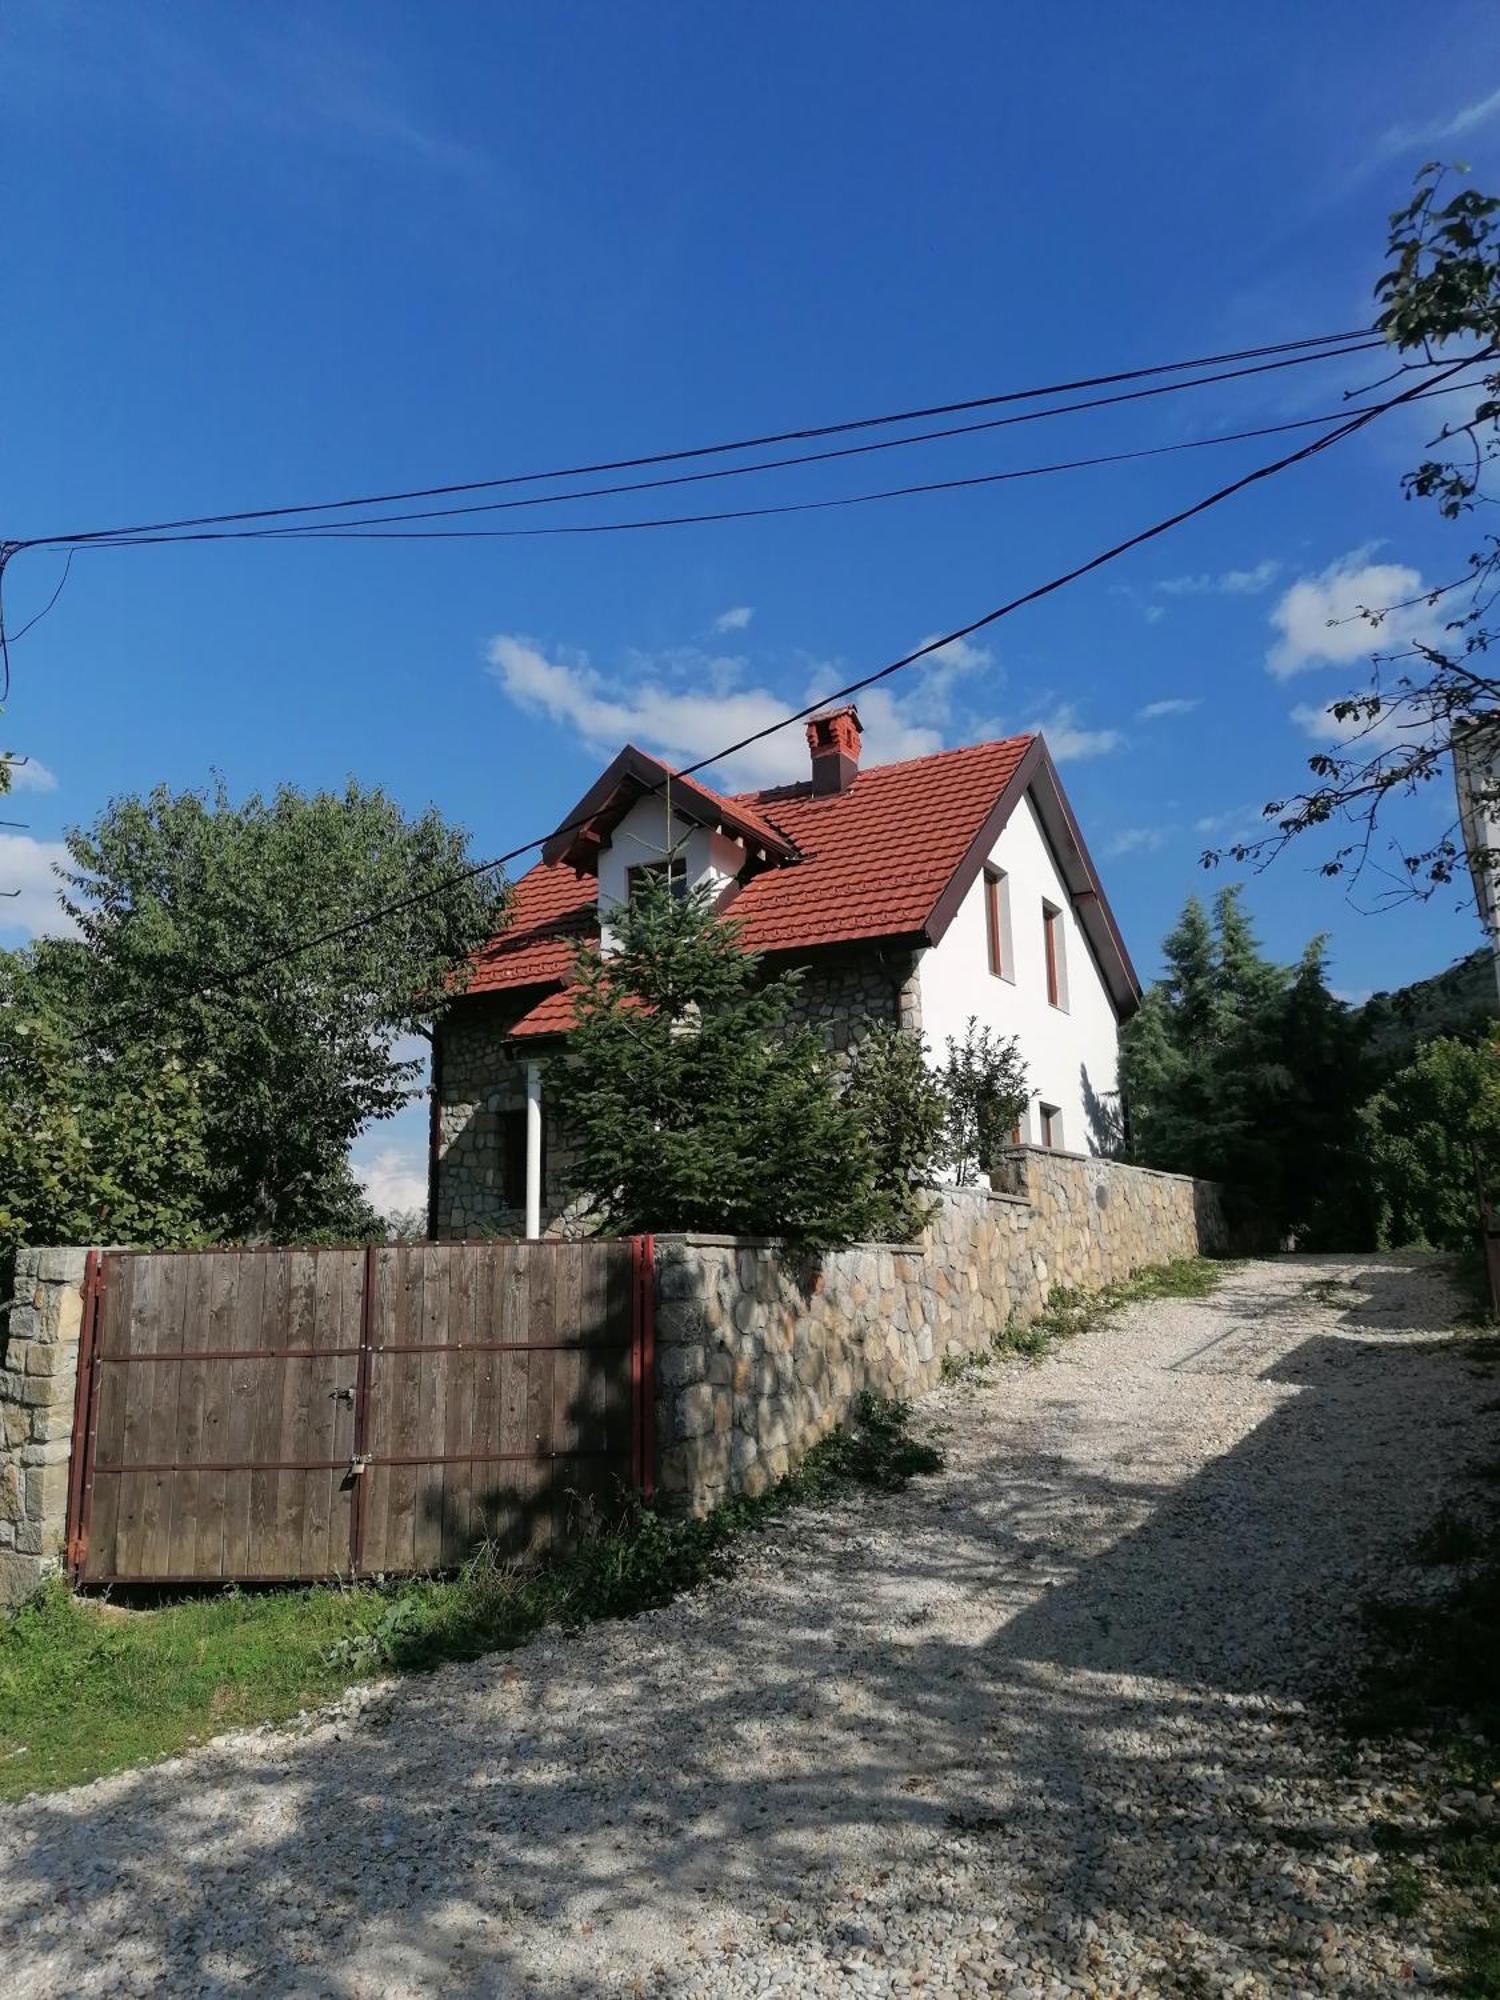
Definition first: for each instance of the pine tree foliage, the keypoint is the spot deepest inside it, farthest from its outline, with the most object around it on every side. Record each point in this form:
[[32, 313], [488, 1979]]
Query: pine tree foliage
[[692, 1099], [1239, 1070], [903, 1110]]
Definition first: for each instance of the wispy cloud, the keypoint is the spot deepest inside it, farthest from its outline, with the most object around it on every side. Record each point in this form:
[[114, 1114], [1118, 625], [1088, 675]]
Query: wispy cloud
[[1137, 840], [275, 77], [1226, 583], [1069, 741], [1175, 704], [684, 718], [1437, 131], [735, 619], [1320, 623], [29, 866], [32, 776]]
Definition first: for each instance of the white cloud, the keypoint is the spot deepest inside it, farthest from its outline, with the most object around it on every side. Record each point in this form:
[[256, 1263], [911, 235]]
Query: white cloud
[[32, 776], [1137, 840], [1069, 742], [28, 865], [1319, 617], [685, 725], [1468, 118], [1227, 583], [1155, 613], [1173, 705], [395, 1182], [735, 619]]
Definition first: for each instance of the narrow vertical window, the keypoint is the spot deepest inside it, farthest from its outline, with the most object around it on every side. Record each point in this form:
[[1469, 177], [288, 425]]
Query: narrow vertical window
[[994, 886], [1051, 1125], [1052, 938]]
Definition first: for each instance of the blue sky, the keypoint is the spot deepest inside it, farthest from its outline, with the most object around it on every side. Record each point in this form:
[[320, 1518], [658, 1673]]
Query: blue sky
[[279, 252]]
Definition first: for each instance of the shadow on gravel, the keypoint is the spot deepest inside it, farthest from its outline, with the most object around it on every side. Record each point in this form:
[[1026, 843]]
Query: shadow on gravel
[[943, 1692]]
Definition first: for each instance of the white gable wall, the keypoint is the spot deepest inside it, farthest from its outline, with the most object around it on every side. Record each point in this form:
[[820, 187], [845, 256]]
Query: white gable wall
[[646, 834], [1072, 1054]]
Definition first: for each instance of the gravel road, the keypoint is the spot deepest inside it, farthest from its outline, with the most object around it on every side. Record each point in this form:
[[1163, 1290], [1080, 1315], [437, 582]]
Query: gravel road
[[1033, 1727]]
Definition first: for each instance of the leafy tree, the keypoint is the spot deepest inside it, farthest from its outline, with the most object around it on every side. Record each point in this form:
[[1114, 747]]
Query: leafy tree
[[692, 1099], [1424, 1130], [985, 1088], [1440, 302], [903, 1110], [91, 1150], [185, 905]]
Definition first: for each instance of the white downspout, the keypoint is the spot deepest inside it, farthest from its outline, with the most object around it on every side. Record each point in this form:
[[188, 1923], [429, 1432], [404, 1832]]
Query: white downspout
[[533, 1150]]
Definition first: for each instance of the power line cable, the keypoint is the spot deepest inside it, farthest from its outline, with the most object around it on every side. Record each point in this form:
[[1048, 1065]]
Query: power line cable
[[1313, 344], [334, 933]]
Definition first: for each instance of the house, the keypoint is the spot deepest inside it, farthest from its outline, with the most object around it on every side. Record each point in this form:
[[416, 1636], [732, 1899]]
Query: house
[[918, 893]]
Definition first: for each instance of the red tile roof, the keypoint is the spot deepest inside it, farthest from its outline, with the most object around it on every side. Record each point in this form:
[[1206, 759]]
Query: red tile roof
[[874, 859], [872, 862], [553, 912]]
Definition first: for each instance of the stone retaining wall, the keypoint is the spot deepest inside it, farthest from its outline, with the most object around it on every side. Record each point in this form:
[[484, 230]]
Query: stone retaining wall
[[40, 1368], [761, 1352]]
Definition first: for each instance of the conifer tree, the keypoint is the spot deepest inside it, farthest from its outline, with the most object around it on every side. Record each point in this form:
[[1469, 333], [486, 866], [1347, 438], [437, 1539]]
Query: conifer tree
[[693, 1099]]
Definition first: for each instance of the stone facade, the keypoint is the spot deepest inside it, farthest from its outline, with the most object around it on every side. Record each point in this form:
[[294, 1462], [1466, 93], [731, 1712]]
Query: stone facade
[[761, 1352], [843, 993], [481, 1079], [37, 1385]]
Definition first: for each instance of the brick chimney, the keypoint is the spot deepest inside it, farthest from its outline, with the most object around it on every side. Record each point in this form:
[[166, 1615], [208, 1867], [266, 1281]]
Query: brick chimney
[[834, 741]]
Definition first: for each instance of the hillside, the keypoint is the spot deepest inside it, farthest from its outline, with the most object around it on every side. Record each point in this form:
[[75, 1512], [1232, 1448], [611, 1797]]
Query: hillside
[[1460, 1000]]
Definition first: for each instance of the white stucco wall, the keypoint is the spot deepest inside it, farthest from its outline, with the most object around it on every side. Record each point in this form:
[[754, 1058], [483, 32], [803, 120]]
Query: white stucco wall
[[646, 834], [1072, 1055]]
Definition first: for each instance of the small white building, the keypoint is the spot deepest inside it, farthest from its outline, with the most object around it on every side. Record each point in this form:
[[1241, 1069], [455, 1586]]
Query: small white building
[[922, 893]]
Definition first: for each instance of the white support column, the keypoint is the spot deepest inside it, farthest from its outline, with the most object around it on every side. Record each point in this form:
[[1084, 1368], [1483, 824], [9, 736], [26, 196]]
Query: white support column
[[533, 1149]]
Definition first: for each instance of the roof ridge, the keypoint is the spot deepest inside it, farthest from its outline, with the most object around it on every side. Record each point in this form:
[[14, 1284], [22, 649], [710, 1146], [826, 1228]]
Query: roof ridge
[[802, 787]]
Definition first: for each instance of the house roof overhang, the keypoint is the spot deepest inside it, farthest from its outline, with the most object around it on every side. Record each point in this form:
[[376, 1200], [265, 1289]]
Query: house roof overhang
[[635, 775], [1036, 774]]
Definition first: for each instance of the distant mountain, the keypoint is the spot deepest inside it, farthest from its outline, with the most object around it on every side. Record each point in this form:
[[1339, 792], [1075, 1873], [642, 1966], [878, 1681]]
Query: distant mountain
[[1460, 1001]]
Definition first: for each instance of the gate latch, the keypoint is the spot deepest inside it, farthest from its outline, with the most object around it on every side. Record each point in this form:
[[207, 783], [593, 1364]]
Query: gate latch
[[341, 1395]]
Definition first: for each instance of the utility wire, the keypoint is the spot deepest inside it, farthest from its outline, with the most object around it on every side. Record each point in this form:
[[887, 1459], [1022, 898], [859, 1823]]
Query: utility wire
[[224, 528], [333, 933], [1314, 342], [335, 533]]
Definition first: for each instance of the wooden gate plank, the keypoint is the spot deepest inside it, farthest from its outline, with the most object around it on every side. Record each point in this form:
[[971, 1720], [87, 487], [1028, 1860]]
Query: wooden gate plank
[[193, 1277], [459, 1411], [429, 1484], [218, 1400], [244, 1333], [266, 1439]]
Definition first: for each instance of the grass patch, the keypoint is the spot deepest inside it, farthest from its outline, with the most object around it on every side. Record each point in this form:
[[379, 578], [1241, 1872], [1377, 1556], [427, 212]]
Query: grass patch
[[87, 1688], [1071, 1310]]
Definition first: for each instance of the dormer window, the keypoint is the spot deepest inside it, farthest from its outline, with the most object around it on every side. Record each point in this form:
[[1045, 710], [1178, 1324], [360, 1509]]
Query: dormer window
[[672, 872]]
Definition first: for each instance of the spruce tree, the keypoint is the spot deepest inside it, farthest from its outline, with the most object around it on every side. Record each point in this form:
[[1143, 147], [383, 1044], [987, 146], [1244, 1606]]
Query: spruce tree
[[693, 1099]]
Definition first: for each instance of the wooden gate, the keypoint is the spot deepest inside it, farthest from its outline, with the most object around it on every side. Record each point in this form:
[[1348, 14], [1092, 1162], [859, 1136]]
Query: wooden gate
[[267, 1415]]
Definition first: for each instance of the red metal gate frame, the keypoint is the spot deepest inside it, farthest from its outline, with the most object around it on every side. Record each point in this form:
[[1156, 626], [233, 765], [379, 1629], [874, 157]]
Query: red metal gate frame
[[85, 1421], [90, 1375]]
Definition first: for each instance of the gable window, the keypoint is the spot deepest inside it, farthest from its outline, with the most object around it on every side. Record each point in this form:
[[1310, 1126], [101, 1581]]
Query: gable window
[[1057, 970], [1051, 1119], [673, 873], [997, 922]]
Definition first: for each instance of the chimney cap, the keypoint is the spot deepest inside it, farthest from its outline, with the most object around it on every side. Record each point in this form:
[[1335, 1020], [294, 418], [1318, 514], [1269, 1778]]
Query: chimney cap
[[834, 739]]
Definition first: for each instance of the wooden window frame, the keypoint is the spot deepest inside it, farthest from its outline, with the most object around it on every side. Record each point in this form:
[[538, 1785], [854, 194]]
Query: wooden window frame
[[1052, 944], [673, 867], [994, 920], [1051, 1122]]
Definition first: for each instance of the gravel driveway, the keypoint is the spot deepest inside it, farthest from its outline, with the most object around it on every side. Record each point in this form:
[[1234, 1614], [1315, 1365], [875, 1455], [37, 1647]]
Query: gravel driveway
[[1034, 1727]]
